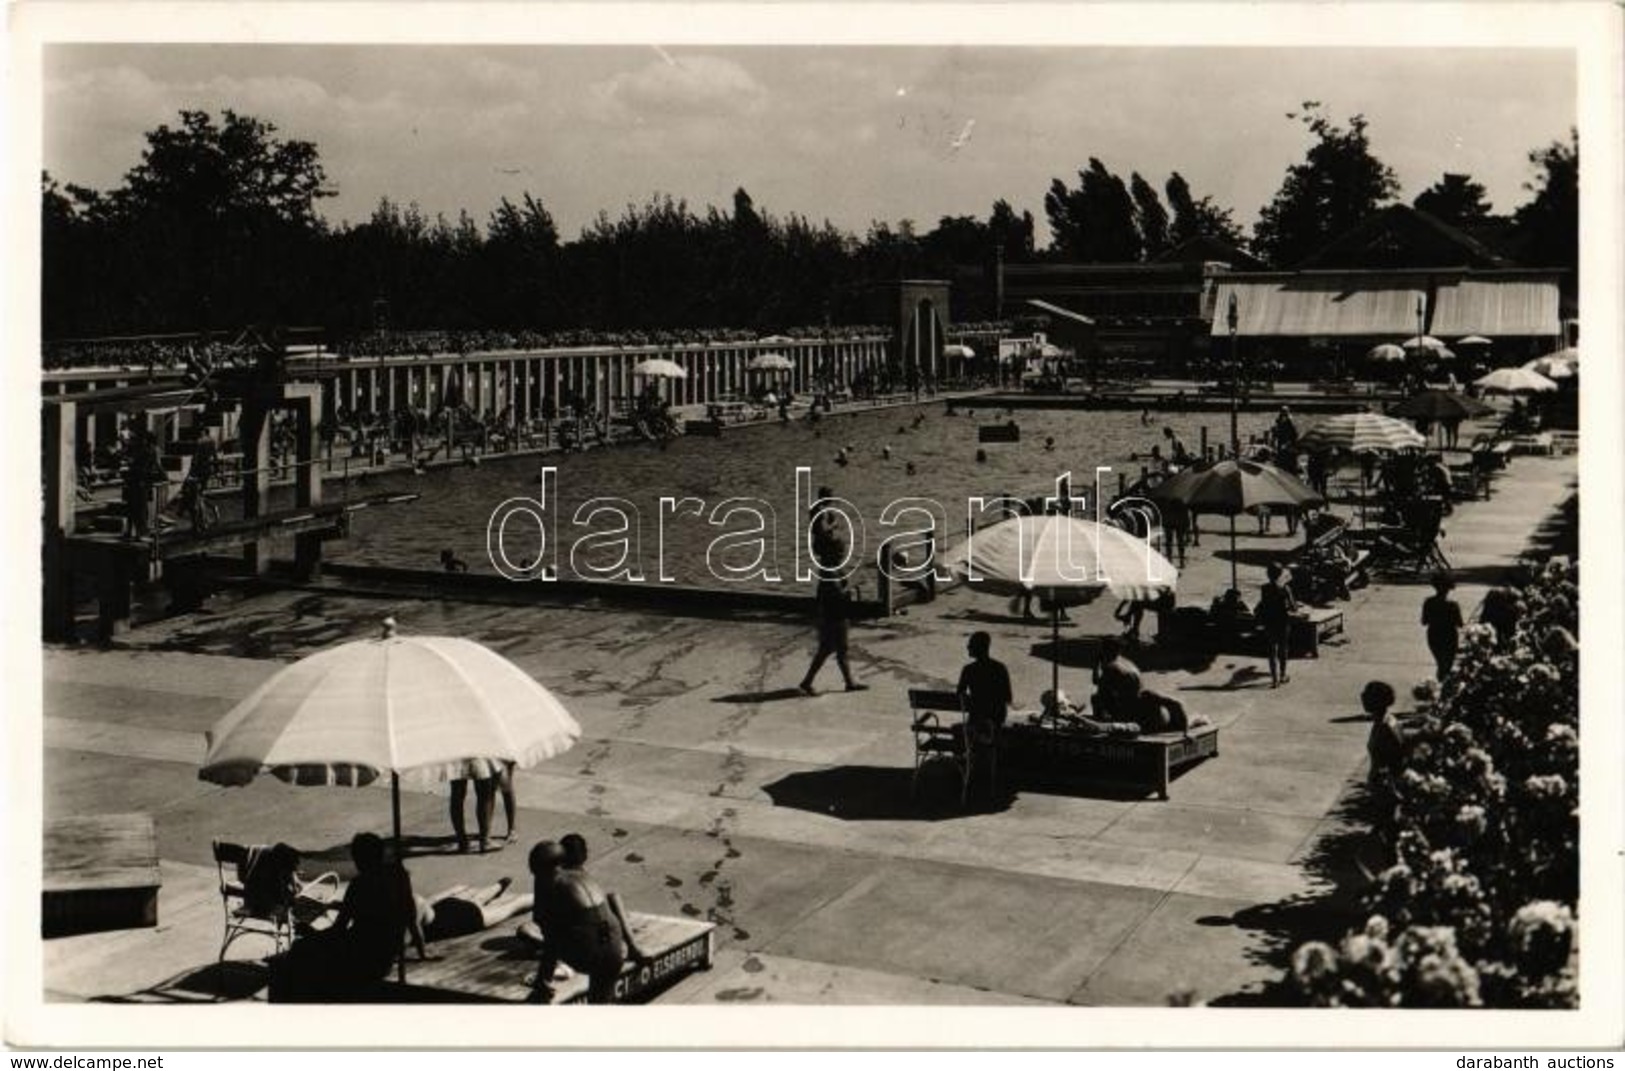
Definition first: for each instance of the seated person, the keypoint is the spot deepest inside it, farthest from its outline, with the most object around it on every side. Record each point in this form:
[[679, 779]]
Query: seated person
[[1229, 610], [581, 925], [353, 955], [1117, 684], [462, 910]]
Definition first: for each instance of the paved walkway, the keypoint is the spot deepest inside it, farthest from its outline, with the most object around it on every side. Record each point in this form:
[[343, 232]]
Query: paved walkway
[[708, 787]]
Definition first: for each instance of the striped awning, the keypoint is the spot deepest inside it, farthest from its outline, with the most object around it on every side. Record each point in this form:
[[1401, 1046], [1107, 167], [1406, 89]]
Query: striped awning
[[1496, 307], [1317, 305], [1378, 304]]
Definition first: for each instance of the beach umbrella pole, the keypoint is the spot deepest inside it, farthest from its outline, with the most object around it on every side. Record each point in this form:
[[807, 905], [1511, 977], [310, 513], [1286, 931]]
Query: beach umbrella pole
[[1233, 551], [1055, 650], [395, 815]]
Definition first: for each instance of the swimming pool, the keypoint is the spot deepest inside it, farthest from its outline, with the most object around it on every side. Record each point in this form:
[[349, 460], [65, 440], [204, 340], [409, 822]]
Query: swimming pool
[[759, 463]]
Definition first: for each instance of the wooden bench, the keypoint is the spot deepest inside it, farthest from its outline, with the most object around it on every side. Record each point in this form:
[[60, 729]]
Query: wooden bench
[[1310, 626], [101, 873], [1146, 761], [499, 966]]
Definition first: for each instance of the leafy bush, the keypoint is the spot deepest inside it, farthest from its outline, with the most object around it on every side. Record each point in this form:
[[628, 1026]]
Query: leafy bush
[[1484, 832]]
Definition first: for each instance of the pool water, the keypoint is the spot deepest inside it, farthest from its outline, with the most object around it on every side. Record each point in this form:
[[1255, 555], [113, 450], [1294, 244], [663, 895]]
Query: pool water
[[757, 462]]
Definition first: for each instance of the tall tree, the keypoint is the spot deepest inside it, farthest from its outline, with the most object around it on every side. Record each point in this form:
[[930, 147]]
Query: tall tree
[[1198, 218], [1012, 234], [1339, 184], [1455, 199], [1548, 225], [215, 227], [1095, 222], [1149, 216]]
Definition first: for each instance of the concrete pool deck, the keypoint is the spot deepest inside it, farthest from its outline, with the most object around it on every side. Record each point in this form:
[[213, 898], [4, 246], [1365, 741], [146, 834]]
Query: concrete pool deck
[[708, 787]]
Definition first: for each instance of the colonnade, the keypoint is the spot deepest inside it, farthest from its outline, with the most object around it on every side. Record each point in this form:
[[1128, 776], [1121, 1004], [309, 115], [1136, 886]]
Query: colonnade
[[522, 381]]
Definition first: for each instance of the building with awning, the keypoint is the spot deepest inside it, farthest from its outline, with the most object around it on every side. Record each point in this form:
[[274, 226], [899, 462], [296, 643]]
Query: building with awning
[[1295, 316]]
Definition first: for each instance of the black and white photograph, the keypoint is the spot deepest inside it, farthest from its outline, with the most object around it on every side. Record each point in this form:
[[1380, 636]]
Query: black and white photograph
[[1020, 515]]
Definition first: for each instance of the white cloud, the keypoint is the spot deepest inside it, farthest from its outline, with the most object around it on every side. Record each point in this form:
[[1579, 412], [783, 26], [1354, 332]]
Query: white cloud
[[683, 86]]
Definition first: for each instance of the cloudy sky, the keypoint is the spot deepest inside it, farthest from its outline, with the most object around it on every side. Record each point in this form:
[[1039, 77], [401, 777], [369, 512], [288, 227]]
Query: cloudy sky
[[844, 133]]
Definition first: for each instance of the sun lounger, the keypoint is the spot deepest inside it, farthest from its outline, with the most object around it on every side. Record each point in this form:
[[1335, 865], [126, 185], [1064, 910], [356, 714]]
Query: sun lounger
[[1147, 761], [498, 966]]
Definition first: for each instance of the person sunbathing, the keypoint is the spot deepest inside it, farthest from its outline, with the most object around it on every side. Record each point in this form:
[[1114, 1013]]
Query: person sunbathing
[[1060, 712], [463, 909]]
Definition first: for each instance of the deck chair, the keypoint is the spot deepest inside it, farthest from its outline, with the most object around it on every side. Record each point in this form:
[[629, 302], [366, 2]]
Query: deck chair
[[264, 894], [943, 731], [1415, 546]]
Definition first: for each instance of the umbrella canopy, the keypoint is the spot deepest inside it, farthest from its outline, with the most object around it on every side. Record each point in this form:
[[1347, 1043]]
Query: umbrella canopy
[[430, 705], [1571, 354], [1054, 553], [1057, 554], [1423, 342], [1361, 433], [1474, 340], [964, 352], [416, 704], [660, 368], [1386, 352], [1553, 367], [1235, 486], [770, 362], [1514, 381], [1439, 405]]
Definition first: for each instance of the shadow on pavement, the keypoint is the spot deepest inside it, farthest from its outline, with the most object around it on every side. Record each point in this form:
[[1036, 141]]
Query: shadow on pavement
[[211, 984], [870, 793], [1340, 859], [772, 696], [1242, 677]]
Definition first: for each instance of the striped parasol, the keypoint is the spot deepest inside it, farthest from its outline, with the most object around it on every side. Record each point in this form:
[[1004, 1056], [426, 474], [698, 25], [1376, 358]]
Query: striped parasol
[[1361, 433], [1235, 486]]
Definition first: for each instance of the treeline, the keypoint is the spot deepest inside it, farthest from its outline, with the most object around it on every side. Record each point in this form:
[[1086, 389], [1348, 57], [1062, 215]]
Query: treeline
[[217, 227]]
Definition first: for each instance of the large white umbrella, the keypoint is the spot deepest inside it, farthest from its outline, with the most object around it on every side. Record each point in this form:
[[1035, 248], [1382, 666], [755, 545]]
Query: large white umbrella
[[1474, 340], [770, 362], [660, 368], [964, 353], [1514, 381], [423, 705], [1423, 342], [1386, 352], [1553, 367], [1054, 555]]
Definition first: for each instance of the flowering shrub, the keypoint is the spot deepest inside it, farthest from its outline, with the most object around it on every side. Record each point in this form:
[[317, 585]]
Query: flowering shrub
[[1484, 831]]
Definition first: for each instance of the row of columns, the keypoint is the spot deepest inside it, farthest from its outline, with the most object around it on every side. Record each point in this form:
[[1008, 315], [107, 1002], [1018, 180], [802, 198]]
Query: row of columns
[[520, 381]]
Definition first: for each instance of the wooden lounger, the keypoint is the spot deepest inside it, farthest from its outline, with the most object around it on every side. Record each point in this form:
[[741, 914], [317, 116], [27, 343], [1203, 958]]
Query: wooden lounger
[[1146, 761], [496, 965], [101, 873]]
